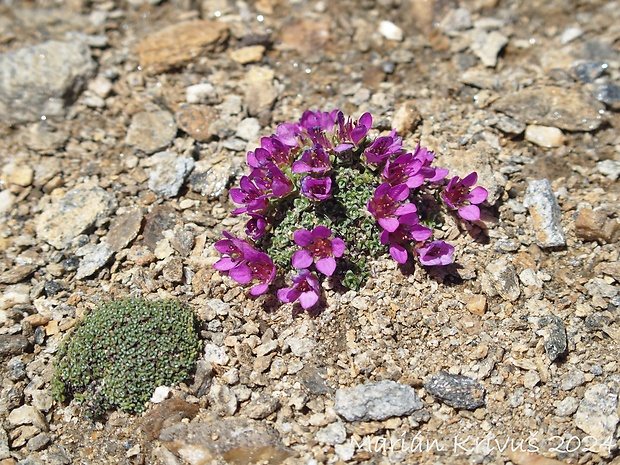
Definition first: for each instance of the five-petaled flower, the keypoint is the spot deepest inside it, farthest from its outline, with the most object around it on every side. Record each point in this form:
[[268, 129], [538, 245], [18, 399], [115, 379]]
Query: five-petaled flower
[[435, 253], [386, 205], [305, 288], [317, 248], [408, 229], [245, 264], [458, 195]]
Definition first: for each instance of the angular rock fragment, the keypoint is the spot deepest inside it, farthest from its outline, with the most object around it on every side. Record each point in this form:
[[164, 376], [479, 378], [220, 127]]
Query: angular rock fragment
[[74, 213], [180, 43], [376, 401], [554, 335], [151, 131], [457, 391], [237, 441], [168, 173], [42, 80], [597, 414], [564, 108], [545, 213]]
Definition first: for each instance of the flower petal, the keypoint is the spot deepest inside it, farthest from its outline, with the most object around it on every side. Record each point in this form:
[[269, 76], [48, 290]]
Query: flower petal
[[326, 265], [308, 299], [302, 237], [302, 259], [478, 195], [469, 212], [338, 247], [321, 231], [241, 273], [470, 179], [225, 264], [398, 253], [259, 289], [389, 224], [405, 209]]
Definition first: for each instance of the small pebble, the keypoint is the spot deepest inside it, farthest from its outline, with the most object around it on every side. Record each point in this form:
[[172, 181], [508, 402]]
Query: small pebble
[[567, 407], [390, 31], [544, 136], [545, 213], [597, 414], [457, 391], [199, 93], [570, 34]]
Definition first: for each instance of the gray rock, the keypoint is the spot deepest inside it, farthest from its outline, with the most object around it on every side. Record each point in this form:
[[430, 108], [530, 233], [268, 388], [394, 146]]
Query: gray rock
[[457, 391], [74, 213], [41, 80], [509, 125], [455, 21], [94, 257], [27, 415], [42, 137], [553, 331], [4, 445], [487, 45], [169, 173], [212, 181], [7, 201], [376, 401], [597, 414], [545, 213], [261, 407], [609, 94], [501, 278], [223, 399], [150, 132], [572, 379], [567, 407], [609, 168], [12, 344], [124, 229], [564, 108], [590, 70], [39, 442], [233, 439], [332, 434], [248, 129]]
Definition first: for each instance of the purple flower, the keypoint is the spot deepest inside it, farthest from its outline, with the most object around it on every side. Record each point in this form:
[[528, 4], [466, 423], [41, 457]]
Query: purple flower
[[385, 205], [383, 147], [403, 170], [271, 178], [318, 120], [408, 229], [272, 149], [313, 160], [435, 253], [427, 172], [287, 134], [256, 226], [232, 249], [317, 247], [250, 195], [261, 268], [316, 189], [245, 264], [457, 194], [351, 134], [305, 288]]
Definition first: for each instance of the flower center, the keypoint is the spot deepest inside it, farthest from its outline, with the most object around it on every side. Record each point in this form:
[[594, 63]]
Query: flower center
[[321, 247]]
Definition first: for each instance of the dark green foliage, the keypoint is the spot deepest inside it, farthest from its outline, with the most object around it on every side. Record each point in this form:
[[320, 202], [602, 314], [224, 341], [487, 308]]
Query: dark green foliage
[[345, 214], [122, 351]]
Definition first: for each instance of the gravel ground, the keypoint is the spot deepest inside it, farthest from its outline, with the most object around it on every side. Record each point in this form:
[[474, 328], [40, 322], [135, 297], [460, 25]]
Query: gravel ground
[[123, 125]]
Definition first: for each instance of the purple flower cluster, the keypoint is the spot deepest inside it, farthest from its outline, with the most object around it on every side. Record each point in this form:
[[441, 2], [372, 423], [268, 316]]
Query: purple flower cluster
[[303, 159]]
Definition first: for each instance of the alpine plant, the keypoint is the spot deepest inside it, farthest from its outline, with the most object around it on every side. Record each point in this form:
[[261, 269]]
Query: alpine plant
[[323, 196]]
